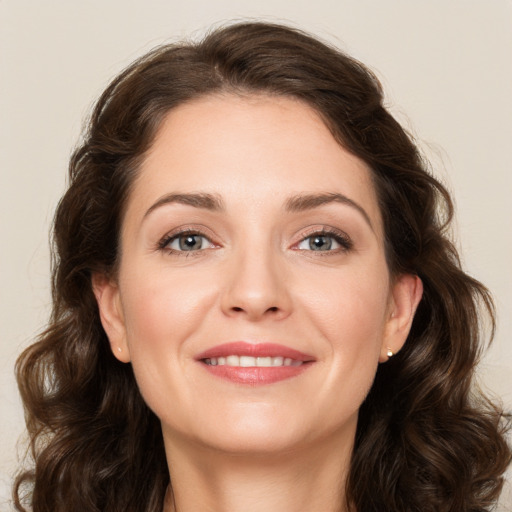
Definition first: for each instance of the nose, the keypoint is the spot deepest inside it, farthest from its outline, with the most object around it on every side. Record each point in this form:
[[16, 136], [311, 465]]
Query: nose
[[257, 287]]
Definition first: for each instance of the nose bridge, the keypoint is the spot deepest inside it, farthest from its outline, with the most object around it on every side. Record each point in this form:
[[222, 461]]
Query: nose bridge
[[256, 286]]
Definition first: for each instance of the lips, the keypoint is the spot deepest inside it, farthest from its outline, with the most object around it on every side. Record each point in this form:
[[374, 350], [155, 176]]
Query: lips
[[254, 363]]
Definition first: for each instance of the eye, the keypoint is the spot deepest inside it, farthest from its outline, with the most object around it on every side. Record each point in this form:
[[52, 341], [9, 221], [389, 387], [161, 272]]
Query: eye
[[325, 242], [186, 242]]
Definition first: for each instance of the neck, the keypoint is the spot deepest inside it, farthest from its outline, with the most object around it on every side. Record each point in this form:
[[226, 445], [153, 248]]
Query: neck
[[311, 478]]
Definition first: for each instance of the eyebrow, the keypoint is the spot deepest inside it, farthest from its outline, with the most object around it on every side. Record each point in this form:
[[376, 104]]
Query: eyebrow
[[304, 202], [298, 203], [198, 200]]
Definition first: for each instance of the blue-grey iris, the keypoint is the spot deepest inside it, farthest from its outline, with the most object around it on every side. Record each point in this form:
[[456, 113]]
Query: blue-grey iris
[[320, 243], [190, 242]]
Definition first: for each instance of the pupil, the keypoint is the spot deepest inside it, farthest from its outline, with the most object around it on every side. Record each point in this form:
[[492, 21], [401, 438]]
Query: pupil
[[319, 243], [190, 242]]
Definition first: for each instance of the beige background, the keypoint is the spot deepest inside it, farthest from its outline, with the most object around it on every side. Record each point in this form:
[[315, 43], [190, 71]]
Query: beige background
[[446, 66]]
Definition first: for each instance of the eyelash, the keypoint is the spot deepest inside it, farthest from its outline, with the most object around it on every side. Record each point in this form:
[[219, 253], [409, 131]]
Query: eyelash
[[171, 237], [338, 236]]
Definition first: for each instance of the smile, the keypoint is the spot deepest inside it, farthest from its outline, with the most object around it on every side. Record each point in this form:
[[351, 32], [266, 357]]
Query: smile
[[254, 363], [248, 361]]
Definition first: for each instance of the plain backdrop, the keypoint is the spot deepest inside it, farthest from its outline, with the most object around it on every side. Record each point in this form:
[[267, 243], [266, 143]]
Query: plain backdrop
[[446, 67]]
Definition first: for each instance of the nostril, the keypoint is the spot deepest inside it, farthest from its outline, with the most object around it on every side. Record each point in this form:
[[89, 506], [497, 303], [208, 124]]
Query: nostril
[[238, 309]]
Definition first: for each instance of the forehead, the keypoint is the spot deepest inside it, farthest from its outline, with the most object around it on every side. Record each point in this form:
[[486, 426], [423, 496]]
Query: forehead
[[250, 148]]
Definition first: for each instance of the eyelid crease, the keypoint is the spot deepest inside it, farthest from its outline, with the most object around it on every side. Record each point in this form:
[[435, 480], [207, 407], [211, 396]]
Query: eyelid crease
[[183, 231], [340, 236]]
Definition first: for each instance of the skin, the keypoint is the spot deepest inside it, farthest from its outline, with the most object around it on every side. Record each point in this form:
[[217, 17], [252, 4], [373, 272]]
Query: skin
[[281, 446]]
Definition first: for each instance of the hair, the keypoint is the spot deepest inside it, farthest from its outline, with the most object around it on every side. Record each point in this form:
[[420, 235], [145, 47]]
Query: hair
[[427, 439]]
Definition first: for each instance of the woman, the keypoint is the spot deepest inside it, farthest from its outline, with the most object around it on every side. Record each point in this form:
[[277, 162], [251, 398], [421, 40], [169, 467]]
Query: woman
[[256, 305]]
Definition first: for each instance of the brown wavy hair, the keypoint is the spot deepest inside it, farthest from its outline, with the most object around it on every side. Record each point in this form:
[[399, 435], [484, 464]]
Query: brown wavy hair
[[426, 439]]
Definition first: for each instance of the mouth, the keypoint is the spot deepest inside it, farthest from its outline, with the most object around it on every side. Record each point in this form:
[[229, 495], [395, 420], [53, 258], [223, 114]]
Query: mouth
[[249, 363]]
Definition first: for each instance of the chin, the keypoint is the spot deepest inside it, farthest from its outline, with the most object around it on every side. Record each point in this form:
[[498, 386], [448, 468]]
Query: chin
[[258, 429], [253, 443], [253, 429]]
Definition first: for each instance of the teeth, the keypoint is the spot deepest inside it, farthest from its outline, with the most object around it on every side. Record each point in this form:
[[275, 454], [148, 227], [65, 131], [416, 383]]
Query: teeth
[[248, 361], [232, 361]]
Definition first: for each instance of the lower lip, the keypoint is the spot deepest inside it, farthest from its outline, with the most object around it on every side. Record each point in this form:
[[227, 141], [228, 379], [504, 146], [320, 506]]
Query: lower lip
[[256, 375]]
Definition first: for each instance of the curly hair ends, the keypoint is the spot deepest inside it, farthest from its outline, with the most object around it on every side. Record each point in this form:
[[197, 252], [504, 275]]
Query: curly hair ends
[[426, 439]]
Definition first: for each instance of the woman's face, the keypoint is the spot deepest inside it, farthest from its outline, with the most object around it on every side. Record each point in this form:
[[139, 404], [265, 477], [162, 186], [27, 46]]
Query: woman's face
[[253, 298]]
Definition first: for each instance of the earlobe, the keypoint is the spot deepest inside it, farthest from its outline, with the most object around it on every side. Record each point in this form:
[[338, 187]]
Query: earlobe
[[406, 295], [106, 292]]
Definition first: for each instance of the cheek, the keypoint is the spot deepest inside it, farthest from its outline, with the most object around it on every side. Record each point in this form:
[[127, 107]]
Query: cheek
[[162, 312], [162, 309], [350, 312], [351, 307]]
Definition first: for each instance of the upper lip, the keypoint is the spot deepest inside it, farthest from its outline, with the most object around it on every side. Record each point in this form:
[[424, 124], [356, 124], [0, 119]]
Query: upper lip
[[242, 348]]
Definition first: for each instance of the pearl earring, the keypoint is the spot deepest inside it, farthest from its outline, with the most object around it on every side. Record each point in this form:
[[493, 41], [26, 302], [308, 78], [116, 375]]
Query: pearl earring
[[390, 353]]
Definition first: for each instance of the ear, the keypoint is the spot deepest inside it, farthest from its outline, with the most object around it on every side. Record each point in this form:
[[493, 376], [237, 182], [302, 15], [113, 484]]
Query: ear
[[405, 297], [107, 296]]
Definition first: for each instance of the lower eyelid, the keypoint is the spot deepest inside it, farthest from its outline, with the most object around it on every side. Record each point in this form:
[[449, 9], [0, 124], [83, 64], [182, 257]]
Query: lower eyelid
[[340, 238], [343, 240], [176, 239], [164, 243]]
